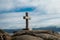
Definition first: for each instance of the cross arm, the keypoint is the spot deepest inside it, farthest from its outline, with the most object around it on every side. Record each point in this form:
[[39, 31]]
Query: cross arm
[[26, 17]]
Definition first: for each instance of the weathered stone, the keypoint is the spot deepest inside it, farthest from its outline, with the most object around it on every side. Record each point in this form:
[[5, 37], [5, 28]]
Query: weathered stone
[[47, 36], [4, 35], [26, 37], [43, 35]]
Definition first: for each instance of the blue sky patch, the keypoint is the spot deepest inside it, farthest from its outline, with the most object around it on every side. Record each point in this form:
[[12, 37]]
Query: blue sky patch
[[22, 9]]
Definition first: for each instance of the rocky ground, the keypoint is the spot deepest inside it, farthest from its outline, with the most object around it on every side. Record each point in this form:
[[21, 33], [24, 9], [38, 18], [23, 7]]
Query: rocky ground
[[30, 35], [4, 35], [36, 35]]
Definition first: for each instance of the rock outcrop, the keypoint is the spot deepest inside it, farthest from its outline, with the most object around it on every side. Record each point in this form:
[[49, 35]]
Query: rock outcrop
[[26, 37], [4, 35], [36, 35]]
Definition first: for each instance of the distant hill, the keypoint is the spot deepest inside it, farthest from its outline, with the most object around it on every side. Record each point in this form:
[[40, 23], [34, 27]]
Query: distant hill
[[53, 28], [11, 30]]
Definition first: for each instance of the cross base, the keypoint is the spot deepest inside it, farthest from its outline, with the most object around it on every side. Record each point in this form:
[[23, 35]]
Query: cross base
[[26, 29]]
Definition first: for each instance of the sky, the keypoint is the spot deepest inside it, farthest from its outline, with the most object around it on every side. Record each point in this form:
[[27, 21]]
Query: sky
[[43, 13]]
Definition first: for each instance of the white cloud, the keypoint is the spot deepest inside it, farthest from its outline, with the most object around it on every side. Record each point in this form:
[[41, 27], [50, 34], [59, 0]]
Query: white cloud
[[45, 20], [6, 4], [16, 20], [47, 13], [12, 20], [50, 6]]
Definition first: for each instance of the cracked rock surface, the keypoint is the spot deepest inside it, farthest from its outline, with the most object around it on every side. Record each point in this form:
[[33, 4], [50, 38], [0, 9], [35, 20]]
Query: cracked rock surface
[[36, 35]]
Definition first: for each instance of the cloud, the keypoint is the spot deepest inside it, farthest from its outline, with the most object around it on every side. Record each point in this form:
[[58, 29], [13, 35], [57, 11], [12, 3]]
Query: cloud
[[12, 20], [15, 6], [45, 20], [16, 21], [43, 6], [43, 13]]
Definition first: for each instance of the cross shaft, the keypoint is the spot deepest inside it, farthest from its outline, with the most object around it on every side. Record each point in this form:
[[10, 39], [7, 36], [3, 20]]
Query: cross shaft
[[27, 22]]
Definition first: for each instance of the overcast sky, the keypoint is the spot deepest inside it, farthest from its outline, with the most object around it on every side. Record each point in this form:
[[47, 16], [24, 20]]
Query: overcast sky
[[43, 13]]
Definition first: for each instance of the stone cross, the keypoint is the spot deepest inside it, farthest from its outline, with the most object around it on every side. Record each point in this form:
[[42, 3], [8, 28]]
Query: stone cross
[[27, 20]]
